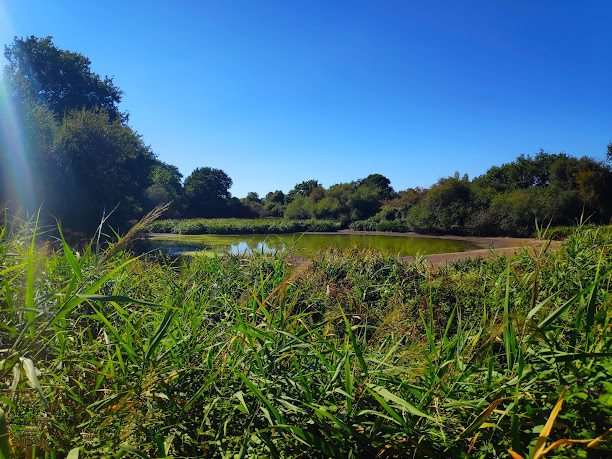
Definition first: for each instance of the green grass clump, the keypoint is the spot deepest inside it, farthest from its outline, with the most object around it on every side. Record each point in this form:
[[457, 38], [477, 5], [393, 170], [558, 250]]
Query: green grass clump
[[399, 226], [348, 354], [243, 226]]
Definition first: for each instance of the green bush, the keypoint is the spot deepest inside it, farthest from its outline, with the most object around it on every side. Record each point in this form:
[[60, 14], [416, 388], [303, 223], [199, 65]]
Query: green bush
[[364, 225], [399, 226]]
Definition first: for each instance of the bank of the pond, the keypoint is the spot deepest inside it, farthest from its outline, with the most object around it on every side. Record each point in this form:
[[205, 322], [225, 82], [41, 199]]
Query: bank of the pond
[[485, 247], [481, 241]]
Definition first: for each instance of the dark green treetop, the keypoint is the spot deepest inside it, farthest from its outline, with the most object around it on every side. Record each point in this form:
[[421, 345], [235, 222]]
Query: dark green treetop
[[60, 79]]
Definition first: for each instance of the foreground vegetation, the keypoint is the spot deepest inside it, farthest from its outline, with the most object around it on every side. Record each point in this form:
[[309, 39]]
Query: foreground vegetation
[[345, 355]]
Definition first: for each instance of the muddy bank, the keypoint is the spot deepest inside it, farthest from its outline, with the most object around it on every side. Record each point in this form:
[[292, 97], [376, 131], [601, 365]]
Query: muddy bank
[[483, 242], [488, 246]]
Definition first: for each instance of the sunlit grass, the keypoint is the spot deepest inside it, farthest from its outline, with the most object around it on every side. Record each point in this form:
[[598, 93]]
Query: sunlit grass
[[350, 354]]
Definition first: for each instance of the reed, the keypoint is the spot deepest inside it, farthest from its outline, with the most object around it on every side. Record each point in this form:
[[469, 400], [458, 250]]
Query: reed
[[350, 354]]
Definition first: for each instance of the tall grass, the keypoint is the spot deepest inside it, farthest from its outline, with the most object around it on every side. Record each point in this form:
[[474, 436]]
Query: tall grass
[[349, 354]]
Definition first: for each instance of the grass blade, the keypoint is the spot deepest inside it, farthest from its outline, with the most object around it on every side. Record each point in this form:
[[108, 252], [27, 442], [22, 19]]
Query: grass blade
[[540, 445]]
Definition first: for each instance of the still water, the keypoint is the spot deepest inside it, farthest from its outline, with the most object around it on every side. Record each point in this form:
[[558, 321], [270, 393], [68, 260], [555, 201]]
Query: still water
[[302, 243]]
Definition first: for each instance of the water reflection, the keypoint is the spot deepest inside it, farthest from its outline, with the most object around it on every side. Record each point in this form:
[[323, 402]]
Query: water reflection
[[303, 244]]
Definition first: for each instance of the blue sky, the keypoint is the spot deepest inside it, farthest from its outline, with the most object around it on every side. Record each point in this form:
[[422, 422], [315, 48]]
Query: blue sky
[[276, 92]]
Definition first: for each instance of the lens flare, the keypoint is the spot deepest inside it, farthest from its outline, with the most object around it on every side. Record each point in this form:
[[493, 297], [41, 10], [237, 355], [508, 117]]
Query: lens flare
[[15, 167], [16, 176]]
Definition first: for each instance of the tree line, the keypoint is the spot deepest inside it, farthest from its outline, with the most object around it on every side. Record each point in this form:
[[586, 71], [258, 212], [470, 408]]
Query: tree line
[[82, 160], [555, 189]]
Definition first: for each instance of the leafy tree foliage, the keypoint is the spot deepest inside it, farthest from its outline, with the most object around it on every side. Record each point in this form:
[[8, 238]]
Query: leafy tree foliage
[[252, 204], [59, 79], [81, 159], [506, 200], [166, 186], [509, 199], [28, 176], [380, 183], [349, 202], [516, 212], [364, 202], [303, 189], [207, 192], [74, 170], [103, 164], [300, 208], [253, 197], [274, 204], [446, 207]]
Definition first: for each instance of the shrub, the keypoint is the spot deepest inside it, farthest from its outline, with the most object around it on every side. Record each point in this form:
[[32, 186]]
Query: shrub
[[399, 226], [364, 225]]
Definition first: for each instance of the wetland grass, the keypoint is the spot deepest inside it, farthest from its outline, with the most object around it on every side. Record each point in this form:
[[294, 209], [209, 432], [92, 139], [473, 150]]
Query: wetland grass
[[349, 354]]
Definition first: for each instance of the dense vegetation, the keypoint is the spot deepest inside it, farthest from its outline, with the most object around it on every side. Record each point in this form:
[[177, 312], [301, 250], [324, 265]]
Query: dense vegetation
[[242, 226], [507, 200], [69, 148], [347, 355]]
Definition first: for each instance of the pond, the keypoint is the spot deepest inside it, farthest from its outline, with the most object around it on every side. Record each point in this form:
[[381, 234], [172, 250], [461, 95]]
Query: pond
[[302, 243]]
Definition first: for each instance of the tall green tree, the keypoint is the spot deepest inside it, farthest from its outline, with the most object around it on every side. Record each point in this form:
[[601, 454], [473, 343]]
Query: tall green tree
[[28, 167], [446, 208], [304, 188], [274, 204], [165, 186], [252, 205], [300, 208], [60, 79], [207, 193], [380, 183], [103, 165]]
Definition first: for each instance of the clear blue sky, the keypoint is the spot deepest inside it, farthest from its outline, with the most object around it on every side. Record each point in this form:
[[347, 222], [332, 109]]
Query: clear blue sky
[[278, 92]]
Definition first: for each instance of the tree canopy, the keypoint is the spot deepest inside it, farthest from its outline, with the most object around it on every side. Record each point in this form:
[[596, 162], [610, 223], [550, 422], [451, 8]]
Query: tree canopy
[[166, 186], [207, 192], [102, 164], [59, 79], [303, 189]]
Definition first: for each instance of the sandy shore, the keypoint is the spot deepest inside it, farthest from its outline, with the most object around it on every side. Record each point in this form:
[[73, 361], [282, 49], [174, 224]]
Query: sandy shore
[[487, 246]]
